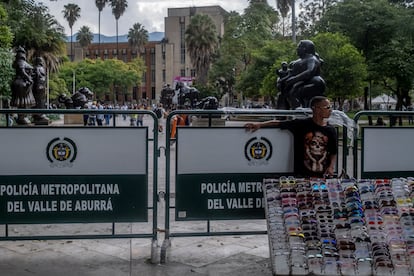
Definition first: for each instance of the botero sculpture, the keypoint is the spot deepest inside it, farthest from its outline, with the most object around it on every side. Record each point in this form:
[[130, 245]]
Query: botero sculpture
[[300, 81], [78, 100], [22, 96], [29, 88]]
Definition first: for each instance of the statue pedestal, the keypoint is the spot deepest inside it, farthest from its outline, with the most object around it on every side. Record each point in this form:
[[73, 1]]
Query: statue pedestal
[[204, 122], [73, 119]]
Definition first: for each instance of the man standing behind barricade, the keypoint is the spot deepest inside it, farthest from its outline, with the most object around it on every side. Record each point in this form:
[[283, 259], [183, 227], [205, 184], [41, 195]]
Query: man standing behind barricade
[[315, 141]]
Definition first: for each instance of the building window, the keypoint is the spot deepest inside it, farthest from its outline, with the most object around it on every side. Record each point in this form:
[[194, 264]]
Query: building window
[[152, 56], [182, 72], [153, 93], [182, 40], [153, 75], [135, 93], [164, 77]]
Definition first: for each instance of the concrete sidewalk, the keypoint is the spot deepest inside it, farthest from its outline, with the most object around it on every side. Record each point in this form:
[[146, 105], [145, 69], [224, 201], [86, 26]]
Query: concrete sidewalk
[[189, 256]]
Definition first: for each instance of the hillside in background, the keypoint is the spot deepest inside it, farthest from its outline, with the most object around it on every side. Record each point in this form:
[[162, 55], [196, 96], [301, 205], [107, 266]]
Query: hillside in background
[[155, 36]]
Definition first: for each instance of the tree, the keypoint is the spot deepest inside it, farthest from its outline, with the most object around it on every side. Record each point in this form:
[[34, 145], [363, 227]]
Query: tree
[[6, 59], [100, 4], [260, 78], [103, 77], [344, 69], [283, 6], [382, 31], [71, 13], [84, 36], [311, 12], [137, 37], [6, 36], [118, 9], [202, 42], [37, 31]]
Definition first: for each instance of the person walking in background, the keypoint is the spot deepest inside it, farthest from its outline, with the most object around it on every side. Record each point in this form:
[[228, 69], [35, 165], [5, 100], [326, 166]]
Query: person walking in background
[[108, 117], [315, 141], [161, 113], [99, 117], [140, 117]]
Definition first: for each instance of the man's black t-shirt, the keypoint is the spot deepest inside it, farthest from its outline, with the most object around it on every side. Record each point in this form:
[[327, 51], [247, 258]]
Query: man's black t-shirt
[[313, 146]]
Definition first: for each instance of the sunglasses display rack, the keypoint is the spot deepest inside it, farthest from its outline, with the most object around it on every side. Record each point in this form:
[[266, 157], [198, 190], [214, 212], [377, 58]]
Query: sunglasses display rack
[[340, 226]]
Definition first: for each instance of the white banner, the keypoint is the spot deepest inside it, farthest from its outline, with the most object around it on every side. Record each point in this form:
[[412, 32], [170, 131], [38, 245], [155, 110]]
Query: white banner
[[388, 149], [233, 150], [73, 151]]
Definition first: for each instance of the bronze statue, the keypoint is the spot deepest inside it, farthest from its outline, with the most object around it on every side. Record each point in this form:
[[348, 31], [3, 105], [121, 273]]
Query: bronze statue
[[167, 95], [78, 100], [22, 96], [186, 94], [301, 81], [39, 90]]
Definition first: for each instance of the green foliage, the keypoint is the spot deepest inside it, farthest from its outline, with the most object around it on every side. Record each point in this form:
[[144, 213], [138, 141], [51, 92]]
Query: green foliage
[[6, 36], [84, 36], [265, 59], [344, 68], [37, 31], [244, 34], [279, 51], [383, 32], [102, 76], [71, 13], [201, 41], [6, 73], [311, 13], [137, 36], [57, 86], [118, 7], [372, 24]]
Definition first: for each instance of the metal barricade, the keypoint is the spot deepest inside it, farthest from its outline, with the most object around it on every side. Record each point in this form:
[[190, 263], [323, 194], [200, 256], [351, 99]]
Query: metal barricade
[[82, 182], [214, 171], [383, 150]]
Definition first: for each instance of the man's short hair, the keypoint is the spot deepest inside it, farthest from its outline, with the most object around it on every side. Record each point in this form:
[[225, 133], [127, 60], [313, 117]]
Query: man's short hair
[[317, 99]]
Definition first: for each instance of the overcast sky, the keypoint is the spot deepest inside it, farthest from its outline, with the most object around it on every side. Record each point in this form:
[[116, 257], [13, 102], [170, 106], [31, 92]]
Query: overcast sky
[[149, 13]]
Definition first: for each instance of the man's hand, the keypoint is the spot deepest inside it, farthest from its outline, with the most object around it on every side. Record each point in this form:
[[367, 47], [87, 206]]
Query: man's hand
[[252, 127]]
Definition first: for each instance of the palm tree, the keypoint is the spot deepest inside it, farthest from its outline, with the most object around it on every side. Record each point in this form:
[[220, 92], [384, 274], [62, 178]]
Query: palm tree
[[40, 33], [202, 42], [283, 6], [100, 4], [71, 13], [118, 9], [84, 36], [137, 37], [293, 21]]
